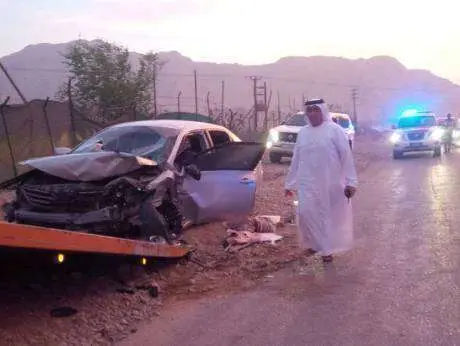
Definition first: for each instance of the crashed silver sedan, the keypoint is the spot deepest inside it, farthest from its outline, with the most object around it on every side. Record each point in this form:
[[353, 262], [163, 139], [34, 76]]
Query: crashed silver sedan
[[141, 179]]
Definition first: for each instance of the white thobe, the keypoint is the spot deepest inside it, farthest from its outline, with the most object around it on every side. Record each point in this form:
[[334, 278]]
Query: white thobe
[[321, 167]]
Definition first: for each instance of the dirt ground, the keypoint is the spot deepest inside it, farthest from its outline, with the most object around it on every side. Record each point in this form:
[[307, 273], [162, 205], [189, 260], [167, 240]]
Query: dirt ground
[[109, 305]]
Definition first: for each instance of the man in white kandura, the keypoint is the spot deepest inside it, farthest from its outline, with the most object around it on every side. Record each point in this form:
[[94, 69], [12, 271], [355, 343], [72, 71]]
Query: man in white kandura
[[323, 175]]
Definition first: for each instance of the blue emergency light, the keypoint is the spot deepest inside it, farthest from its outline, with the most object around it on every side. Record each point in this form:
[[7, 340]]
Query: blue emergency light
[[409, 112]]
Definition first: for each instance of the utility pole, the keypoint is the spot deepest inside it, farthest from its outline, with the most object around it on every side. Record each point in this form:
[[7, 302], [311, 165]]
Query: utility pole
[[265, 106], [178, 101], [257, 106], [222, 98], [7, 135], [208, 104], [279, 107], [71, 112], [3, 68], [155, 110], [354, 96], [196, 92]]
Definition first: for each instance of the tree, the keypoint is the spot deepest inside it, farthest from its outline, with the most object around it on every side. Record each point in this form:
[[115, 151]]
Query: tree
[[105, 87]]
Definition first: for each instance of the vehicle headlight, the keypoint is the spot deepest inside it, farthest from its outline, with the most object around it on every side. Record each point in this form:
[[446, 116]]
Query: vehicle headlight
[[395, 137], [437, 134], [455, 133], [274, 135]]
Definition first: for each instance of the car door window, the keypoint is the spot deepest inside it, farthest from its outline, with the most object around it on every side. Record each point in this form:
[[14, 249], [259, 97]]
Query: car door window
[[233, 156], [191, 145], [219, 137]]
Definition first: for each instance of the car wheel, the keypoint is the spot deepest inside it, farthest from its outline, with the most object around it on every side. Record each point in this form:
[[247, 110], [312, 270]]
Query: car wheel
[[437, 152], [275, 158], [172, 216], [153, 223], [397, 154]]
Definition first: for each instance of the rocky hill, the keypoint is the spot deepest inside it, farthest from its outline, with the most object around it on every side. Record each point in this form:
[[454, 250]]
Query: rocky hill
[[384, 86]]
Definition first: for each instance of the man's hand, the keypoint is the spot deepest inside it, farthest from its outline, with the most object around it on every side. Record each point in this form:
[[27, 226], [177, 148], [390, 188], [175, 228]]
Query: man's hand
[[288, 193], [350, 191]]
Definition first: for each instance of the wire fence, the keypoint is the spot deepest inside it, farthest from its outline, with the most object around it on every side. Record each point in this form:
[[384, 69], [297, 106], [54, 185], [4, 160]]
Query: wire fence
[[36, 128]]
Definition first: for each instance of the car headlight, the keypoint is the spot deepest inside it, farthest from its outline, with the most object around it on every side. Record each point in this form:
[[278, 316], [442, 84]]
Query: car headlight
[[274, 135], [395, 137], [455, 134], [437, 134]]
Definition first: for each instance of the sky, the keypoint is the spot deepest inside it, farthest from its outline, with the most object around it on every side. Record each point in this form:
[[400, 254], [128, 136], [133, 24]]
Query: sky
[[422, 35]]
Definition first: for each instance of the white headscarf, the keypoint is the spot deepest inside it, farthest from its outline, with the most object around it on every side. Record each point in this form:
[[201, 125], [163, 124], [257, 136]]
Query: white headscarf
[[324, 110]]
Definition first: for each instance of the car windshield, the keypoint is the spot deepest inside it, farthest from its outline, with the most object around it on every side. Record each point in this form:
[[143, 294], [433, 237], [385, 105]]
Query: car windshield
[[152, 143], [297, 120], [418, 121], [344, 122]]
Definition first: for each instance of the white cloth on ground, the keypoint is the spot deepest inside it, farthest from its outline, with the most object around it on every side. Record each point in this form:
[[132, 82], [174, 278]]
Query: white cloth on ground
[[321, 167]]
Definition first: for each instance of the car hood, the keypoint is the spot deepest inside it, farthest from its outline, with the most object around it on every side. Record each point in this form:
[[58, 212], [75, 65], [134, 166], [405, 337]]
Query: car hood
[[412, 129], [89, 166], [287, 128]]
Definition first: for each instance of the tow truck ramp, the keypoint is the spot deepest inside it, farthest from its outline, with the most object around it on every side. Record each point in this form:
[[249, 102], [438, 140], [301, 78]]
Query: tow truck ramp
[[14, 235]]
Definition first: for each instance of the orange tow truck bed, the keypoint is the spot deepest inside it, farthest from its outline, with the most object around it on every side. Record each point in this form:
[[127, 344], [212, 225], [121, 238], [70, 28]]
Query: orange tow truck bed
[[32, 237]]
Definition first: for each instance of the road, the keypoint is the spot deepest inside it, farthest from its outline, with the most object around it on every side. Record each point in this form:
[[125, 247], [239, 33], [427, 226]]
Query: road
[[399, 286]]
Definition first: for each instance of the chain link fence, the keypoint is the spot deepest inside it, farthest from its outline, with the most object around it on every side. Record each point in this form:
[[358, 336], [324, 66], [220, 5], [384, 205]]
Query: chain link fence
[[36, 128]]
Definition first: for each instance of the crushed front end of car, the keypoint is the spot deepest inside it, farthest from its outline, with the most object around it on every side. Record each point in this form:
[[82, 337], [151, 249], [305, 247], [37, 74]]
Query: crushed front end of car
[[104, 193]]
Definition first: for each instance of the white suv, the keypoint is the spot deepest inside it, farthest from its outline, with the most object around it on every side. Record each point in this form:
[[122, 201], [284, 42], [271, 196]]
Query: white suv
[[281, 139], [416, 131]]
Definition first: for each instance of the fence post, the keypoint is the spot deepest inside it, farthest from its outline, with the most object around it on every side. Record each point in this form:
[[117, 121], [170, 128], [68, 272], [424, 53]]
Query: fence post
[[5, 126], [73, 127], [48, 127]]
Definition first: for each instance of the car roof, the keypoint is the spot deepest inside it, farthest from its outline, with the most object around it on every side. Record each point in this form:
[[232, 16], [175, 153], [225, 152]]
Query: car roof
[[333, 114], [182, 125], [340, 115]]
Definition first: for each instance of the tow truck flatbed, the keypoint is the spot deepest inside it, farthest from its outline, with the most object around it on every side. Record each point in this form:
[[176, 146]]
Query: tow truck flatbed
[[15, 235]]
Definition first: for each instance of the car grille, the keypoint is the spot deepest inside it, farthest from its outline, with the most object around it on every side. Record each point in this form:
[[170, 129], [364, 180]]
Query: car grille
[[60, 197], [288, 137], [416, 135]]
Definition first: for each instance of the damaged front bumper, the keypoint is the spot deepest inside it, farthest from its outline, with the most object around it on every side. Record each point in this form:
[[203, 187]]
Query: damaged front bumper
[[105, 215]]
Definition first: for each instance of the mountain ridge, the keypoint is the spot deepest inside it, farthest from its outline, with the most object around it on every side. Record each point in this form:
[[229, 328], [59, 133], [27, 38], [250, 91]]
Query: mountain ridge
[[384, 84]]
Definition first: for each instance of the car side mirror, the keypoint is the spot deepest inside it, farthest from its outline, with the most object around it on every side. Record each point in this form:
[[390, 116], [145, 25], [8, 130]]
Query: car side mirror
[[62, 151], [193, 171]]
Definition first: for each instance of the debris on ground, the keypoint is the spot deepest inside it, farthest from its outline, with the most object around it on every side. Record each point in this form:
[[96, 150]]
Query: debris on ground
[[245, 238], [256, 229]]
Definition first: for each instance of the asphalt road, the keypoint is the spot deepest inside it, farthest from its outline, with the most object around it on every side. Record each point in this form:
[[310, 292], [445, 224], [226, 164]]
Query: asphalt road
[[399, 286]]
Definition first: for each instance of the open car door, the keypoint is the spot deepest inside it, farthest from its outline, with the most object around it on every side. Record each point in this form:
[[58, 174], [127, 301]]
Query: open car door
[[228, 182]]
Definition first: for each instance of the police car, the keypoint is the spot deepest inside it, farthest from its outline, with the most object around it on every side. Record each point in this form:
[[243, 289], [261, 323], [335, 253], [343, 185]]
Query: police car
[[416, 131]]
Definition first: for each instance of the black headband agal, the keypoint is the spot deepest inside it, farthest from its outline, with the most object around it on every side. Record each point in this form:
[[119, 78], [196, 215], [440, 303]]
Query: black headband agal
[[314, 102]]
